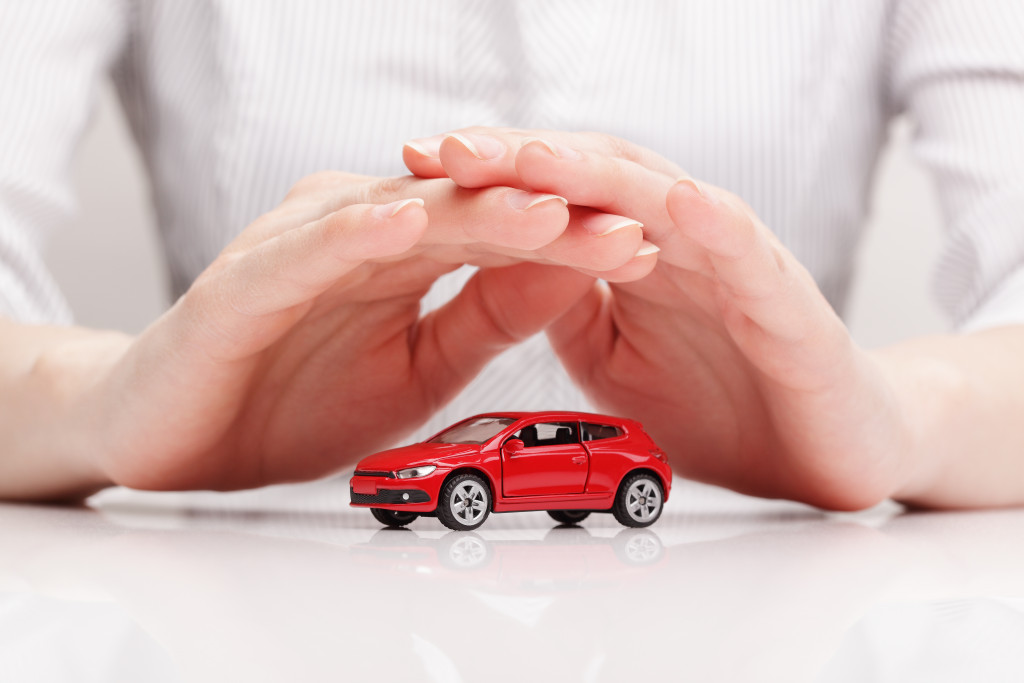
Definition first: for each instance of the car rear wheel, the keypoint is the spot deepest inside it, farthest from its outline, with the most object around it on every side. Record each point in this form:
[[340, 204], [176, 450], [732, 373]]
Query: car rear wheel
[[639, 500], [392, 517], [569, 516], [464, 503]]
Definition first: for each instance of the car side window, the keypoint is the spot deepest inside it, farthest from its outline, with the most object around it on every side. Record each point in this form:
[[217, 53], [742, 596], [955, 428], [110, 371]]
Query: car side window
[[595, 432], [548, 434]]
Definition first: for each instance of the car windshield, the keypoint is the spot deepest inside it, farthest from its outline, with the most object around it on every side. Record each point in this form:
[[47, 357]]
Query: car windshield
[[475, 431]]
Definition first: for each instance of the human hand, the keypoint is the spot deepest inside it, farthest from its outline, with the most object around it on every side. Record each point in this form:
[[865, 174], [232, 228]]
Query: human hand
[[302, 348], [727, 352]]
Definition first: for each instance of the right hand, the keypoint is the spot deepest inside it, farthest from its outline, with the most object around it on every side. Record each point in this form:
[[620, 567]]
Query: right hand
[[301, 348]]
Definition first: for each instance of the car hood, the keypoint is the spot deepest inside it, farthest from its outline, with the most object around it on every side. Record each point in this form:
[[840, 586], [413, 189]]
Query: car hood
[[416, 454]]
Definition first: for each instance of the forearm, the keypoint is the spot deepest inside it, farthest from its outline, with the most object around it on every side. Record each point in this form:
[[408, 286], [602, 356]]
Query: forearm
[[48, 425], [963, 402]]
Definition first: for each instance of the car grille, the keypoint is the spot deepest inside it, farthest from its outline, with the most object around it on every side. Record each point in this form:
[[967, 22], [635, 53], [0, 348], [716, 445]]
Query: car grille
[[374, 473], [389, 497]]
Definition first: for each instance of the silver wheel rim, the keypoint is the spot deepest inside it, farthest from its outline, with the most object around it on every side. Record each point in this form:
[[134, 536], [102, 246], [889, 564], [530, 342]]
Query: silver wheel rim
[[643, 500], [642, 548], [468, 502], [468, 551]]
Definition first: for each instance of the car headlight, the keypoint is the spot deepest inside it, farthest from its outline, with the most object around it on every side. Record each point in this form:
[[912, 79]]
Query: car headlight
[[413, 472]]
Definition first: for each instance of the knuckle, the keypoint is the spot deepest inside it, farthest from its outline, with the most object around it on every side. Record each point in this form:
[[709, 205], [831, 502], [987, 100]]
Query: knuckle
[[383, 190], [314, 182], [320, 185], [615, 146]]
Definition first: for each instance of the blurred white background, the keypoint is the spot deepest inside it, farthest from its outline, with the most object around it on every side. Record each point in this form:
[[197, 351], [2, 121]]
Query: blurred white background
[[110, 267]]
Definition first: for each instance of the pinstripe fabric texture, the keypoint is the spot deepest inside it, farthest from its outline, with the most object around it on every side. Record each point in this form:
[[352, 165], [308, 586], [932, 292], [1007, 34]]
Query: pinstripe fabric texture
[[784, 102]]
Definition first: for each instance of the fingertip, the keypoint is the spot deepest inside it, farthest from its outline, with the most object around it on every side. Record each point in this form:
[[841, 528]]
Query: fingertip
[[691, 185], [644, 261], [521, 219], [647, 249], [481, 147], [524, 201], [394, 208], [475, 160], [640, 266], [399, 226], [696, 212], [421, 161]]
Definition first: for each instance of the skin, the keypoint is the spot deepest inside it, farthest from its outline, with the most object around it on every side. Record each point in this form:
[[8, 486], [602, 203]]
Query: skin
[[733, 359], [301, 348]]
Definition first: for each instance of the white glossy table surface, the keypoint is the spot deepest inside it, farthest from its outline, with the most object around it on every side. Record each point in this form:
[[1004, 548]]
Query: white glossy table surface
[[290, 584]]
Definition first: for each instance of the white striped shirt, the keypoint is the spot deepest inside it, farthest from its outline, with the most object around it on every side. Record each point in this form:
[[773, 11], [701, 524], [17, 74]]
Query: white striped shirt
[[784, 102]]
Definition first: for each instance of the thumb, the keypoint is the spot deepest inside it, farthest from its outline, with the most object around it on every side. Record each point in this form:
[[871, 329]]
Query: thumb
[[498, 308]]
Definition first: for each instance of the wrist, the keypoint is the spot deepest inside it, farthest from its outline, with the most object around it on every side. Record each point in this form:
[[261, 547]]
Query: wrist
[[930, 391], [57, 430]]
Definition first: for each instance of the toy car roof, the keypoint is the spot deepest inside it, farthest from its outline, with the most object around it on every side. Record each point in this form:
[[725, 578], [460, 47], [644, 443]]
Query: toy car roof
[[553, 414]]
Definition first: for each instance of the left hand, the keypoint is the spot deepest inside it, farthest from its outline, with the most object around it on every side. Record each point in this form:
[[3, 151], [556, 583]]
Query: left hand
[[727, 352]]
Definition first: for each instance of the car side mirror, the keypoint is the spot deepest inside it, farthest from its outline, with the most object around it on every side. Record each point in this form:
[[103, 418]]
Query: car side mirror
[[513, 447]]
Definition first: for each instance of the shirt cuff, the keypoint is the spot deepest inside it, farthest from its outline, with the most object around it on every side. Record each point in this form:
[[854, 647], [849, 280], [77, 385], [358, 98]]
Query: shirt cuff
[[1005, 306]]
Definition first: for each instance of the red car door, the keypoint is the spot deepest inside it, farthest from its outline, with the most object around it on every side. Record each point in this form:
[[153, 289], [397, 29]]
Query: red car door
[[553, 461]]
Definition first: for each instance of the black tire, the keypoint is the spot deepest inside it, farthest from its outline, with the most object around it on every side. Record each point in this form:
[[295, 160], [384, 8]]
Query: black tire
[[568, 516], [639, 501], [451, 505], [393, 517]]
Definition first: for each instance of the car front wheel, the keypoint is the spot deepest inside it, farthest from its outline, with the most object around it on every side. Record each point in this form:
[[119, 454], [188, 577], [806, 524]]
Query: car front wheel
[[639, 500], [465, 502], [392, 517]]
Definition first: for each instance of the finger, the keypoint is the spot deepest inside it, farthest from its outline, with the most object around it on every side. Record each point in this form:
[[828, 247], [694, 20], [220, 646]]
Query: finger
[[491, 217], [247, 303], [477, 159], [498, 216], [594, 241], [480, 156], [616, 254], [422, 156], [612, 185], [496, 309], [584, 334], [770, 303], [495, 226], [310, 199], [637, 268]]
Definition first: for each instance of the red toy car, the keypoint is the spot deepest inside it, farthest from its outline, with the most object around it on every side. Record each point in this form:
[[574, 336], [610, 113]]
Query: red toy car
[[570, 464]]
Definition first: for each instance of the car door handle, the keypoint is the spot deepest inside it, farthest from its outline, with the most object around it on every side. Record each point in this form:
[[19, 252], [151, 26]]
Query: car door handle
[[579, 459]]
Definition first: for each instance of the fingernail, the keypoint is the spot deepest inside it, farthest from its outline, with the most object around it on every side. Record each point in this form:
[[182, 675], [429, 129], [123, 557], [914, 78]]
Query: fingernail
[[558, 151], [391, 210], [646, 249], [625, 223], [427, 147], [527, 200], [483, 147], [694, 184]]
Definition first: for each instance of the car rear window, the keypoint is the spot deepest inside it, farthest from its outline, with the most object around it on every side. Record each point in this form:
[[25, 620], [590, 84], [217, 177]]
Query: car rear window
[[595, 432]]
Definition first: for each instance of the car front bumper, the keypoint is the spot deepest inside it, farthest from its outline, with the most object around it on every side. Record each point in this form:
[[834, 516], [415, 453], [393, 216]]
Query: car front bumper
[[403, 497], [382, 491]]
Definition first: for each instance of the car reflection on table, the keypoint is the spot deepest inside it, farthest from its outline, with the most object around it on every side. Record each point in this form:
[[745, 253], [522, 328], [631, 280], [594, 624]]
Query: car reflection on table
[[568, 555]]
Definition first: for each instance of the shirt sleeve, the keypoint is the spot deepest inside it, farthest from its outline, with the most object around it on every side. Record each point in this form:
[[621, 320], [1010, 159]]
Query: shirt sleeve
[[53, 56], [956, 68]]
